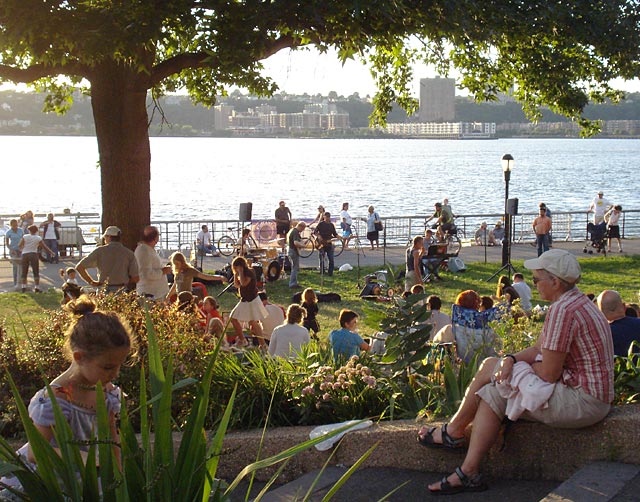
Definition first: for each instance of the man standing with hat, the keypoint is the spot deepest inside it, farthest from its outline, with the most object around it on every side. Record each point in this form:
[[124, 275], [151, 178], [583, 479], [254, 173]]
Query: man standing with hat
[[599, 206], [116, 264], [573, 363]]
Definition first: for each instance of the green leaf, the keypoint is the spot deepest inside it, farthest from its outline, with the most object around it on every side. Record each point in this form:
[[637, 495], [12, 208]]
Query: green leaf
[[46, 484], [215, 449], [343, 479]]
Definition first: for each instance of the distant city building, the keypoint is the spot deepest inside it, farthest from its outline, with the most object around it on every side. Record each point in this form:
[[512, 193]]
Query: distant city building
[[221, 117], [265, 119], [437, 100], [503, 98], [265, 109], [444, 130], [324, 108]]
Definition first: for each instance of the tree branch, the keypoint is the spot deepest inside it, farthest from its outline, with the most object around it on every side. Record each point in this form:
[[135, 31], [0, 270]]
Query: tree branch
[[38, 71], [281, 43], [178, 63], [204, 60]]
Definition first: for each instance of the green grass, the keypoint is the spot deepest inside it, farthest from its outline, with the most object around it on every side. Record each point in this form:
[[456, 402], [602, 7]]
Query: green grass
[[620, 273], [30, 306]]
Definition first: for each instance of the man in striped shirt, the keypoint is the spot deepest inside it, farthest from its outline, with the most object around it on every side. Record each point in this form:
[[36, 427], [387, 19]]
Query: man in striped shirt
[[574, 353]]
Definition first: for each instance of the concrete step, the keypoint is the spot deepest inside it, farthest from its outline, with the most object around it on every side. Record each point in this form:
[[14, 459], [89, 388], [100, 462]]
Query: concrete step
[[401, 485], [600, 482], [596, 482]]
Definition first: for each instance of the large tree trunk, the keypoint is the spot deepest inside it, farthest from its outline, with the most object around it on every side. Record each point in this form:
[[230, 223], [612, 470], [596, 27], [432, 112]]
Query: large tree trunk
[[118, 98]]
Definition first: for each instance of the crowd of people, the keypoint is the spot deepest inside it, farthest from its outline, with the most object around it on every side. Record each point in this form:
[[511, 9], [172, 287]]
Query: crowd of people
[[565, 379]]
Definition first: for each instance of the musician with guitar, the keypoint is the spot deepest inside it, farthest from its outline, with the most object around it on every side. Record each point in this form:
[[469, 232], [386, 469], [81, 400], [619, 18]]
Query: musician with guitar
[[325, 232]]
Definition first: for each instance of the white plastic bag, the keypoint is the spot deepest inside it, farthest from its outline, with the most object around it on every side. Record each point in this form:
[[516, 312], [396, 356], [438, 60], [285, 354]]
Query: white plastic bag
[[323, 430], [345, 268]]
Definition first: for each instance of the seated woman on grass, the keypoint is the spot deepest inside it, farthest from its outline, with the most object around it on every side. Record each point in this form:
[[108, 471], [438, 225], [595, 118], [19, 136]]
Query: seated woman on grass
[[288, 338], [346, 342], [184, 274]]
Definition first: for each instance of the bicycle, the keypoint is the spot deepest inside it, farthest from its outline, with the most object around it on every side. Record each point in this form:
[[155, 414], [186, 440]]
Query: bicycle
[[452, 239], [229, 244], [314, 242]]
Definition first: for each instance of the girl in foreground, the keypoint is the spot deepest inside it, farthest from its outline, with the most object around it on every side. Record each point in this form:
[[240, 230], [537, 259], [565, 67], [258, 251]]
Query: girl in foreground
[[97, 344]]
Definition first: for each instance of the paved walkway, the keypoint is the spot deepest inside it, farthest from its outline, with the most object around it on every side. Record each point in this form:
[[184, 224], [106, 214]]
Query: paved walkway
[[49, 276]]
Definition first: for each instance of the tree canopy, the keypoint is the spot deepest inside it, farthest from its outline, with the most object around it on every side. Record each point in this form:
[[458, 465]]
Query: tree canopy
[[559, 53]]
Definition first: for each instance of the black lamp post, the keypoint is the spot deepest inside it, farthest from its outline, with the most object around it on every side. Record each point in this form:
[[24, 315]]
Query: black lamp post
[[507, 166]]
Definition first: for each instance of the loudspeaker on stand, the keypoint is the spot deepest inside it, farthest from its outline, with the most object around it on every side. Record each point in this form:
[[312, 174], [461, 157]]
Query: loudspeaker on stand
[[245, 211]]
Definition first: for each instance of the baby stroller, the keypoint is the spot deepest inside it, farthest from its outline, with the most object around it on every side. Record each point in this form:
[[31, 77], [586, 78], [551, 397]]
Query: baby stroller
[[597, 238]]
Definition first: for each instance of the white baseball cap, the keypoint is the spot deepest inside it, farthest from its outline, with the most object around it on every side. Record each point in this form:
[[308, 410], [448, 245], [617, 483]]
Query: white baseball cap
[[112, 232], [558, 262]]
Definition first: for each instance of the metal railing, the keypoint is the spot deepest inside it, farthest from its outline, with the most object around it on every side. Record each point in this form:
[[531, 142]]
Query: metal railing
[[181, 234]]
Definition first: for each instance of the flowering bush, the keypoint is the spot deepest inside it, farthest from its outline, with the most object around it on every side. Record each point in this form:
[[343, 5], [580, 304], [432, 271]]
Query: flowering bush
[[517, 330], [330, 395]]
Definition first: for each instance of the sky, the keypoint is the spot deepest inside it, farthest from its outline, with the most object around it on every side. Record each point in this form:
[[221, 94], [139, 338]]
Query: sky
[[308, 71], [297, 72]]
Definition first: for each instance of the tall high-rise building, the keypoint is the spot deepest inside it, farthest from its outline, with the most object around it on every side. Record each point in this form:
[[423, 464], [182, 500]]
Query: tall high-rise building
[[222, 117], [437, 100]]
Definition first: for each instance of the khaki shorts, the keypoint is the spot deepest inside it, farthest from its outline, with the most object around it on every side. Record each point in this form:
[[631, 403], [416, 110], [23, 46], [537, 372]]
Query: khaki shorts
[[568, 407]]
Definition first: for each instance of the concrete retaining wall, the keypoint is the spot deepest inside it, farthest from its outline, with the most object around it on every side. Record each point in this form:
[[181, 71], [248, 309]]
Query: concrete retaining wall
[[533, 451]]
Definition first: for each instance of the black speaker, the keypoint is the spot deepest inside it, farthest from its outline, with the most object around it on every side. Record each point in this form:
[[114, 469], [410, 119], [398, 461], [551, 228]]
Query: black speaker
[[512, 207], [245, 211]]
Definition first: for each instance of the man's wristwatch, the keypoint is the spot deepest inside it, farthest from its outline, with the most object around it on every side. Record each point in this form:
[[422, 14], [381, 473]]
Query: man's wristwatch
[[512, 357]]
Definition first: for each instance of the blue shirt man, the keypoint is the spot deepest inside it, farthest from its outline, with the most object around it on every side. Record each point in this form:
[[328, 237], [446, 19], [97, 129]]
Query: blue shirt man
[[13, 236], [624, 329], [12, 239]]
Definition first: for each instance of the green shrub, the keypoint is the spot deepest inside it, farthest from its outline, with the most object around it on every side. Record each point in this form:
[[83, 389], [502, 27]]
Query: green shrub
[[150, 470], [411, 362], [412, 378], [627, 377]]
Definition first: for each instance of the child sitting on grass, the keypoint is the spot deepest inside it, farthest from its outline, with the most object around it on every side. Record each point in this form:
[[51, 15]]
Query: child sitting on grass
[[213, 322], [310, 304], [70, 288]]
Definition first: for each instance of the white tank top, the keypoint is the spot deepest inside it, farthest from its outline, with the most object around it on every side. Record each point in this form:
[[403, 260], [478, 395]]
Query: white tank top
[[31, 243]]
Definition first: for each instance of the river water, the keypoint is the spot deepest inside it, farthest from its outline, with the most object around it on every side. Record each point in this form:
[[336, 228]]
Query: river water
[[207, 178]]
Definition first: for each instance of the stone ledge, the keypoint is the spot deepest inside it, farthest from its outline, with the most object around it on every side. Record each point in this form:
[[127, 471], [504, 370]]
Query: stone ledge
[[533, 451]]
